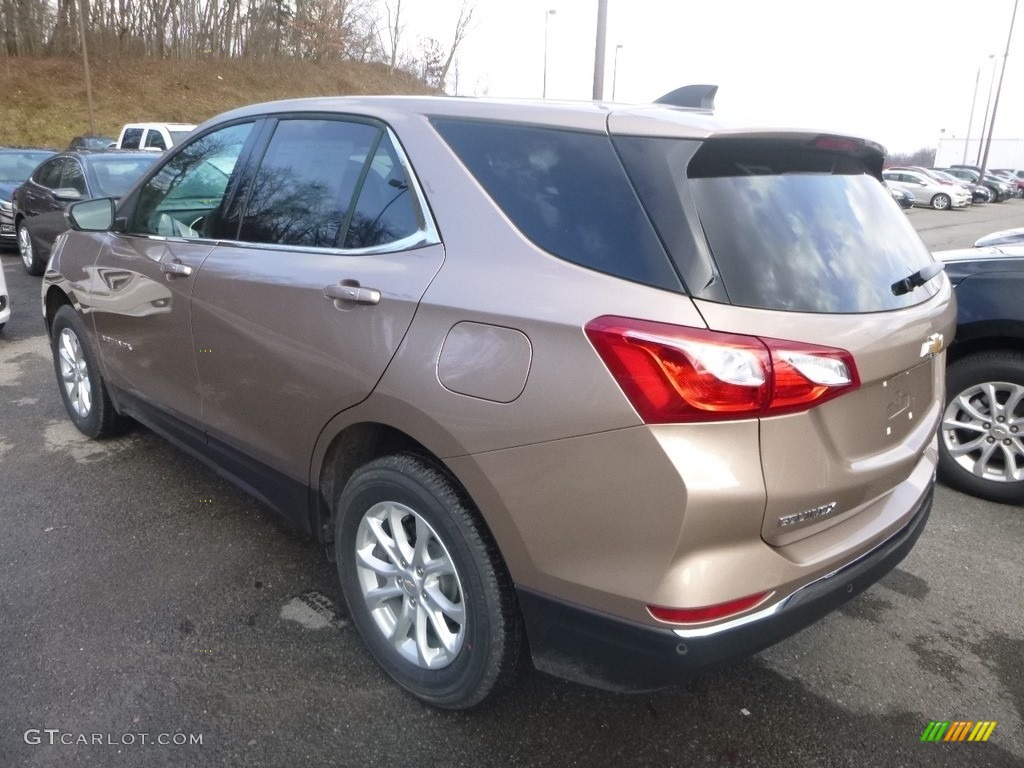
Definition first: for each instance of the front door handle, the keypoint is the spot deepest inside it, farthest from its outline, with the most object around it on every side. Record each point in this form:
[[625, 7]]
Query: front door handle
[[355, 294], [176, 268]]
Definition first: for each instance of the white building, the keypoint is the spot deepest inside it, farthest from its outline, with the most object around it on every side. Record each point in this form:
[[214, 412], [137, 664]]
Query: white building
[[1004, 153]]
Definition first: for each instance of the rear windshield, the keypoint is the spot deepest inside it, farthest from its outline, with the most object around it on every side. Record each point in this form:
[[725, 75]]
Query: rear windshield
[[115, 174], [788, 227], [17, 165]]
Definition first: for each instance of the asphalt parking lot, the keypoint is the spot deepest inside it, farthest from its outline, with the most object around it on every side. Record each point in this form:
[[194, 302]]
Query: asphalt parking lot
[[141, 594]]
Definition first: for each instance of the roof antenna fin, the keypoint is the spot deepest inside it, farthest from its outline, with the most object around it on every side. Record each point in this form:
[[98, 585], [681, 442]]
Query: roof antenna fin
[[691, 97]]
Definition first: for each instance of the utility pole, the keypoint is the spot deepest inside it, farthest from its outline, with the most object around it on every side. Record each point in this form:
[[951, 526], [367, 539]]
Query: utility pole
[[995, 105], [85, 60], [970, 120], [602, 29]]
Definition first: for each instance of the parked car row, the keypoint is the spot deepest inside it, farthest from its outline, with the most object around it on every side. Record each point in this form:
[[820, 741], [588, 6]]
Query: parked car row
[[953, 187]]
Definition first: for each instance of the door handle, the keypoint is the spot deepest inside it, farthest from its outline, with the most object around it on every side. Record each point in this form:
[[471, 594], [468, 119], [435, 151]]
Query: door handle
[[176, 268], [355, 294]]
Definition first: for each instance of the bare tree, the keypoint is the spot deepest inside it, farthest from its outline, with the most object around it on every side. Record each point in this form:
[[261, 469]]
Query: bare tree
[[395, 28], [461, 30]]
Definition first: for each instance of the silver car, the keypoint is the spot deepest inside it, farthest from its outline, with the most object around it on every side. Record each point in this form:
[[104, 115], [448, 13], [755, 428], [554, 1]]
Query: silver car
[[928, 191]]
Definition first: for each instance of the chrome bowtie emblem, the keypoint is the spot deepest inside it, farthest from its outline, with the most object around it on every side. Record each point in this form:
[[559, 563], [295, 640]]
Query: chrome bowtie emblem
[[932, 345]]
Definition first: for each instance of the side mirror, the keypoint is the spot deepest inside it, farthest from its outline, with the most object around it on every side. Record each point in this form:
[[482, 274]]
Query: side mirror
[[92, 215], [67, 193]]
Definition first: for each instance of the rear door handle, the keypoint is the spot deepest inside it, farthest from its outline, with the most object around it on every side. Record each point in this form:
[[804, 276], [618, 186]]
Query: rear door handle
[[176, 268], [355, 294]]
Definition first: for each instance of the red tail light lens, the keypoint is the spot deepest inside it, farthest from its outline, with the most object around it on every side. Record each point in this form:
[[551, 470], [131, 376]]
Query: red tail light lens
[[708, 612], [675, 374]]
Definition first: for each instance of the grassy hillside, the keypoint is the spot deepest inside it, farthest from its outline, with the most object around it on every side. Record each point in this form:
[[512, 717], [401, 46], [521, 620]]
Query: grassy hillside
[[43, 100]]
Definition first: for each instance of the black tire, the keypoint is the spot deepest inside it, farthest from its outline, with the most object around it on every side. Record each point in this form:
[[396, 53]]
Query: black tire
[[99, 419], [484, 660], [29, 252], [966, 378], [941, 202]]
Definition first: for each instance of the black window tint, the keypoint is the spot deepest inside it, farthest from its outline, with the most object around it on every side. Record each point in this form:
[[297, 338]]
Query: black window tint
[[303, 190], [154, 140], [131, 139], [567, 192], [48, 174], [184, 197], [797, 229], [384, 211], [73, 177]]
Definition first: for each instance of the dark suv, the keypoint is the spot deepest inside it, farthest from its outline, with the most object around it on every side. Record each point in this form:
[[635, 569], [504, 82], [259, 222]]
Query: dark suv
[[981, 446], [633, 388]]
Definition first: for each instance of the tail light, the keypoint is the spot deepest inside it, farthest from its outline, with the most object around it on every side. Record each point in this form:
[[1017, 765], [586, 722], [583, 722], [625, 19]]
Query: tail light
[[675, 374]]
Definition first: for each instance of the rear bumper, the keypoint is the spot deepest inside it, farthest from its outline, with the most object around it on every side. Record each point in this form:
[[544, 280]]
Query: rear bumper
[[587, 647]]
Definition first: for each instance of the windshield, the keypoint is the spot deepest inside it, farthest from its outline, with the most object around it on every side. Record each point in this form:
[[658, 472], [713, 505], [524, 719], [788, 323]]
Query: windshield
[[17, 165], [794, 228], [116, 174]]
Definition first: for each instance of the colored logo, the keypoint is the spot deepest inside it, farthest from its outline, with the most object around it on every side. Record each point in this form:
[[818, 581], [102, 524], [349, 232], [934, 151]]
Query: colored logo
[[958, 730]]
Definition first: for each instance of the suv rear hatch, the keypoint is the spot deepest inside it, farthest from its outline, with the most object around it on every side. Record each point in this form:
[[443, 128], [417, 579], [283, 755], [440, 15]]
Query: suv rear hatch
[[804, 246]]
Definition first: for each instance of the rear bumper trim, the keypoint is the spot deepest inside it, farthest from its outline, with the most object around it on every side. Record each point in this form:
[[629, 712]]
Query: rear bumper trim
[[585, 646]]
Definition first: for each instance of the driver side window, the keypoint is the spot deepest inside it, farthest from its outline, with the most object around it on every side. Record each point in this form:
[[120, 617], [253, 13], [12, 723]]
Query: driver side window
[[184, 198]]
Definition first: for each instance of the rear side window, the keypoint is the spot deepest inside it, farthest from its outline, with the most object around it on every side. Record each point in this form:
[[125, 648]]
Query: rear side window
[[567, 192], [48, 174], [790, 227], [303, 190], [132, 137], [154, 140], [384, 211]]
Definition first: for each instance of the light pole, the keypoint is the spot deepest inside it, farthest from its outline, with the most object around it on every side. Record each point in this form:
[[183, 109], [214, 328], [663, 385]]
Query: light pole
[[615, 69], [599, 60], [995, 105], [988, 103], [970, 120], [548, 15]]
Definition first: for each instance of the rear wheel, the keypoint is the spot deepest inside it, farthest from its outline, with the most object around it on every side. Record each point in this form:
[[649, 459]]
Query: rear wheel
[[424, 582], [981, 441], [29, 259], [82, 387], [940, 202]]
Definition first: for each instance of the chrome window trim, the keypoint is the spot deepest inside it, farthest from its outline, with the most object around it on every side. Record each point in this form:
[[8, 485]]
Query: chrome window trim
[[427, 235]]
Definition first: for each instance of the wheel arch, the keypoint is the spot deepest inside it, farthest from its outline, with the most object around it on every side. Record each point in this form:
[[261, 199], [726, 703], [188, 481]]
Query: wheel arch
[[361, 440], [970, 341], [55, 299]]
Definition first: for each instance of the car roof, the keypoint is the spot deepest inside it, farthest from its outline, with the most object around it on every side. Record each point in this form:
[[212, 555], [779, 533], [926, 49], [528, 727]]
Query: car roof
[[169, 126], [619, 119], [91, 154]]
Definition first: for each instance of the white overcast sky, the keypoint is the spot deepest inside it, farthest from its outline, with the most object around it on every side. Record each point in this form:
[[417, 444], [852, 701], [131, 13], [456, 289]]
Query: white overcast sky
[[896, 71]]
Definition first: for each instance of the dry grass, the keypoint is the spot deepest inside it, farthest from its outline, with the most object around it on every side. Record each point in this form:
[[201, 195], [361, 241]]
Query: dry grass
[[44, 101]]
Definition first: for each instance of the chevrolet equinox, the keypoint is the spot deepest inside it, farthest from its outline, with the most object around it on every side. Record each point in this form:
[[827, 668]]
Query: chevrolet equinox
[[627, 391]]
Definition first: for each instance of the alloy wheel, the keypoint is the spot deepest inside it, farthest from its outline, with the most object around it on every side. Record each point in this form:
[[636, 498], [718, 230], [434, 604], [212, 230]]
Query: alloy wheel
[[25, 247], [74, 372], [982, 431], [410, 585]]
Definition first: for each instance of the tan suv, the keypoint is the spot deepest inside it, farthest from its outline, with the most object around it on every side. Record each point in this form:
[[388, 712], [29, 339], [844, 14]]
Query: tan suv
[[631, 388]]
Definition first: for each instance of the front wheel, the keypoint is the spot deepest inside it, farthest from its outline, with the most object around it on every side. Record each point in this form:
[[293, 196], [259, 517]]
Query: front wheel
[[82, 387], [424, 582], [29, 259], [981, 441], [941, 202]]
